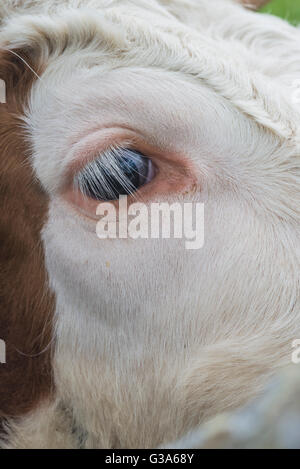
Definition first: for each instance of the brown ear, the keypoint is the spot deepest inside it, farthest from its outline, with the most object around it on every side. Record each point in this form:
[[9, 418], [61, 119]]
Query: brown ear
[[26, 305], [256, 4]]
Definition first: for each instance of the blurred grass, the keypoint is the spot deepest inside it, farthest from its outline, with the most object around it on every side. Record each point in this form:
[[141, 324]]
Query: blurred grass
[[287, 9]]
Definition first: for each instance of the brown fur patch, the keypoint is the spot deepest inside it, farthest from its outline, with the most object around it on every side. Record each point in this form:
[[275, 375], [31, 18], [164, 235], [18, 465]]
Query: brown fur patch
[[26, 305]]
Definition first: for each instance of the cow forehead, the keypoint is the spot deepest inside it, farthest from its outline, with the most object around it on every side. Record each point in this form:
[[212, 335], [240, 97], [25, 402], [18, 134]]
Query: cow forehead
[[221, 53]]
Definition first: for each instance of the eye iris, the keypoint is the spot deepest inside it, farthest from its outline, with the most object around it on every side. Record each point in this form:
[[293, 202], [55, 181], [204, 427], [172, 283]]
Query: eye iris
[[117, 172]]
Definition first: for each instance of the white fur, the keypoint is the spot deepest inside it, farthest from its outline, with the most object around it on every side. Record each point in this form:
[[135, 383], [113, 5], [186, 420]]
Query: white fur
[[152, 339]]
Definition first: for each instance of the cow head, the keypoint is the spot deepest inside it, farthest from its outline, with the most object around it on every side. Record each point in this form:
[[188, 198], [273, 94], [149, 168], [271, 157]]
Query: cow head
[[141, 338]]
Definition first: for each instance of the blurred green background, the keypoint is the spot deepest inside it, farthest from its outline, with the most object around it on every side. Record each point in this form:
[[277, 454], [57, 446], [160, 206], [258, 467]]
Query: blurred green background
[[288, 9]]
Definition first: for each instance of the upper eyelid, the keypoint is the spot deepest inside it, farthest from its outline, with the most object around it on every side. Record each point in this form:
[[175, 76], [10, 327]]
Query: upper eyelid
[[86, 148]]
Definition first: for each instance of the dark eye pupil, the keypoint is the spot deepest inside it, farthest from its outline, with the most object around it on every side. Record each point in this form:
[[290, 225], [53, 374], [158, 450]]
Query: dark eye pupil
[[134, 167], [118, 172]]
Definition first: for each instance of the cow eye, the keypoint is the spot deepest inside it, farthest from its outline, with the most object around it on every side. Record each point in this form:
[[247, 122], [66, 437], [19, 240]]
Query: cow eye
[[117, 171]]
